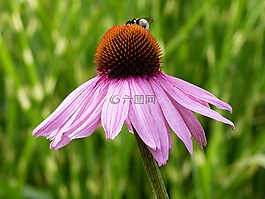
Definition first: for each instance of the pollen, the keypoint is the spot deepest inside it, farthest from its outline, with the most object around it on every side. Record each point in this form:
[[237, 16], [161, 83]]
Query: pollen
[[128, 51]]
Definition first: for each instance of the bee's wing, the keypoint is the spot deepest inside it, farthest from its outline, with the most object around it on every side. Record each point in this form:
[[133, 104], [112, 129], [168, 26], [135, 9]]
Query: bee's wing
[[148, 19]]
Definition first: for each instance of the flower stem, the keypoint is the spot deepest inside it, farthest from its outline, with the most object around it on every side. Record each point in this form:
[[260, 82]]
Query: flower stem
[[151, 169]]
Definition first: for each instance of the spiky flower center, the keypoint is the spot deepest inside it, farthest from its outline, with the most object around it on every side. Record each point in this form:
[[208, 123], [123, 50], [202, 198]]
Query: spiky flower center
[[128, 51]]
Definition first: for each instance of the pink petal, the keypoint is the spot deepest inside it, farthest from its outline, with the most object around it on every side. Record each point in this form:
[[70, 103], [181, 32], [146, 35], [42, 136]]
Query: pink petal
[[59, 141], [172, 116], [63, 138], [129, 124], [66, 109], [59, 131], [89, 119], [83, 122], [169, 140], [197, 92], [184, 100], [88, 124], [83, 127], [141, 115], [204, 103], [193, 124], [148, 120], [161, 155], [114, 114], [83, 118]]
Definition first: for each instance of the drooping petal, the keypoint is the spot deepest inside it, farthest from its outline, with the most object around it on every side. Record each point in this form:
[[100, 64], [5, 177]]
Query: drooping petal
[[115, 108], [141, 113], [172, 115], [66, 109], [197, 92], [148, 120], [161, 155], [193, 124], [184, 100], [169, 140], [204, 103], [129, 124], [84, 130], [84, 120], [60, 140], [89, 119], [57, 136]]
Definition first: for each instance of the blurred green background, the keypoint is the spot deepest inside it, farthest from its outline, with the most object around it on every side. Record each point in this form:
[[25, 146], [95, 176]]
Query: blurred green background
[[47, 49]]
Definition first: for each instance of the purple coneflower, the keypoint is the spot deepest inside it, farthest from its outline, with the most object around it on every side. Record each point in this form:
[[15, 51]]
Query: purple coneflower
[[131, 88]]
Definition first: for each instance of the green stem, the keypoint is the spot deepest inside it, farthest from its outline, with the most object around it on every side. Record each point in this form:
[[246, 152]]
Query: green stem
[[151, 169]]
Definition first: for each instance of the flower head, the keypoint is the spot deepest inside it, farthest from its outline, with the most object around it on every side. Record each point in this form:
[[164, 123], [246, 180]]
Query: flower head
[[131, 88], [128, 51]]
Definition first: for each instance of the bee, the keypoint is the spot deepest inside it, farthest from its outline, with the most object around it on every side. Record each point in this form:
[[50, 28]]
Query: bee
[[144, 22]]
